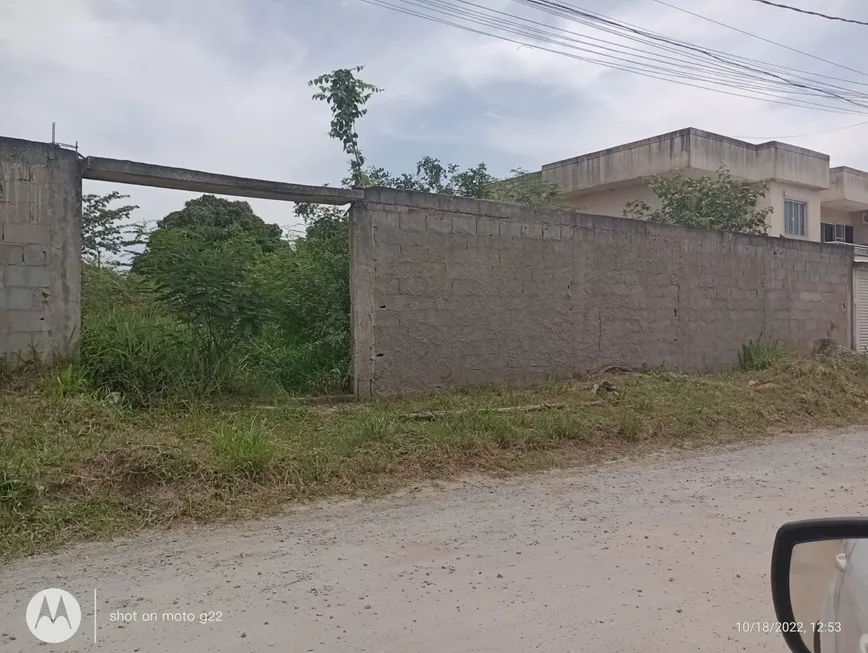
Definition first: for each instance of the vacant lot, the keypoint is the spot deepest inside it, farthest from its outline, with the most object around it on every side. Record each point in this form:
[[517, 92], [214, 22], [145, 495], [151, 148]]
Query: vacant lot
[[77, 466], [663, 553]]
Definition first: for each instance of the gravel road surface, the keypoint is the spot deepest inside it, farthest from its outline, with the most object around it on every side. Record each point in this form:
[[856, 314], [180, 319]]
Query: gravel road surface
[[664, 553]]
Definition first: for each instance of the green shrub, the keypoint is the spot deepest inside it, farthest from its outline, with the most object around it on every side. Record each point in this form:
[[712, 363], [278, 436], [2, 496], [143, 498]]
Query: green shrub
[[761, 354], [221, 315], [320, 366], [105, 289], [207, 285], [144, 357]]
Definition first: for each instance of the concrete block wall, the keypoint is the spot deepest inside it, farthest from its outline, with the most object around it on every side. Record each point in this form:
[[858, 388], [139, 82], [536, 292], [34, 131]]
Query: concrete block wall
[[448, 292], [40, 249]]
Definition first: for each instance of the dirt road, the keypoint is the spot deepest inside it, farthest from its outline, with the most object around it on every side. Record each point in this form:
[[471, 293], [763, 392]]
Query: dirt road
[[667, 553]]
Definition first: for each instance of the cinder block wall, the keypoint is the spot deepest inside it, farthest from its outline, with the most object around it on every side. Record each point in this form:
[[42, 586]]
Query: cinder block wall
[[451, 291], [40, 249]]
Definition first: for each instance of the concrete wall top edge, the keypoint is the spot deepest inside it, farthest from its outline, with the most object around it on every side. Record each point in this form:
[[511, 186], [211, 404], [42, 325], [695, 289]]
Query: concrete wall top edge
[[35, 150], [841, 170], [687, 132], [147, 174], [622, 148], [579, 219], [795, 149]]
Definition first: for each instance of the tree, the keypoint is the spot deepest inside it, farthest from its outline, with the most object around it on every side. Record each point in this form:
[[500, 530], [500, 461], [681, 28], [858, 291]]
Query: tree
[[100, 231], [721, 203], [218, 219], [308, 285], [215, 220], [346, 96], [431, 176], [523, 187], [207, 284]]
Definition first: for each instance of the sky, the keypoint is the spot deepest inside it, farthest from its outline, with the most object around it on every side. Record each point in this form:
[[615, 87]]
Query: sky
[[223, 86]]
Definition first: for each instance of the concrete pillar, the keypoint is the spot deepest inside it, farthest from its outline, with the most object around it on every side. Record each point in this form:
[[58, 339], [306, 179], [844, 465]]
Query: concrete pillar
[[40, 250]]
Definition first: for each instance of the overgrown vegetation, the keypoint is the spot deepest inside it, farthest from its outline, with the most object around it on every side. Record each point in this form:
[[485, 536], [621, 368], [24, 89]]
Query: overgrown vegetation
[[217, 302], [761, 354], [101, 230], [721, 203]]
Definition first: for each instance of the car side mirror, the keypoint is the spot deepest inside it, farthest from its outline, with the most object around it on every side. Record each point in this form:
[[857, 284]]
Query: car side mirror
[[820, 584]]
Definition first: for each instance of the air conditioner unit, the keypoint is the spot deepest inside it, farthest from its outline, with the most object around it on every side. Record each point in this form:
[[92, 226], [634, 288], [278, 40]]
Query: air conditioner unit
[[864, 217]]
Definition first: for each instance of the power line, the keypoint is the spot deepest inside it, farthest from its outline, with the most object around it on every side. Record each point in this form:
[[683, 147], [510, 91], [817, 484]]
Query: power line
[[675, 61], [724, 63], [791, 136], [568, 11], [762, 38], [683, 64], [811, 13]]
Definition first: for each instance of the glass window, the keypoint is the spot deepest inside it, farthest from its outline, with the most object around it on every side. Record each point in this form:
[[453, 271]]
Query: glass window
[[828, 232], [794, 218], [836, 233]]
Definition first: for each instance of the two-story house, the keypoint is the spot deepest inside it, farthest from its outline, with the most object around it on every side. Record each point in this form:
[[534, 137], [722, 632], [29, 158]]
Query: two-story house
[[810, 200]]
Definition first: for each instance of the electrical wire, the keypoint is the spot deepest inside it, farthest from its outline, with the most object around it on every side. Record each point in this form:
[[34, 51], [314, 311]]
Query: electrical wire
[[679, 72], [762, 38], [679, 59], [792, 136], [812, 13], [674, 60], [583, 15], [819, 107]]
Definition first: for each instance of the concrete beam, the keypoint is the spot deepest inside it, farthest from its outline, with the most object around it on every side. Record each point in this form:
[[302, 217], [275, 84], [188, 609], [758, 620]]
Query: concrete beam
[[147, 174]]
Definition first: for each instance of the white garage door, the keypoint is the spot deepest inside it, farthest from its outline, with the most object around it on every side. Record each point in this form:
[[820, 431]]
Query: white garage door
[[860, 306]]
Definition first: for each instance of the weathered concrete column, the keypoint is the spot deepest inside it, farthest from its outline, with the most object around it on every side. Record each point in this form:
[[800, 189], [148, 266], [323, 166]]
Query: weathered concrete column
[[40, 250]]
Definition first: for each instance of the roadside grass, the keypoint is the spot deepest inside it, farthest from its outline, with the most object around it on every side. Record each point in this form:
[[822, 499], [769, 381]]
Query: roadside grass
[[76, 466]]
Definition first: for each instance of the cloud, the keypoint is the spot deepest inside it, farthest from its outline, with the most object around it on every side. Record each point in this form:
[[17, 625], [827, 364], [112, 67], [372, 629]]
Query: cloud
[[194, 88], [582, 107], [223, 86]]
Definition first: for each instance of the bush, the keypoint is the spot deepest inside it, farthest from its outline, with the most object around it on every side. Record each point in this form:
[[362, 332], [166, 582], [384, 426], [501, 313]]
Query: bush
[[224, 316], [320, 366], [104, 288], [144, 357], [207, 285], [761, 355]]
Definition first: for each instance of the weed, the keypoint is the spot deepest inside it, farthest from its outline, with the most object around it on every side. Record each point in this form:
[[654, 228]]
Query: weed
[[243, 452], [761, 354], [65, 382]]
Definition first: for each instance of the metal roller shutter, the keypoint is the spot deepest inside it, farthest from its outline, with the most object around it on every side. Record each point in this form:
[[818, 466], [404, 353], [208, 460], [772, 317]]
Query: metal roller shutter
[[860, 307]]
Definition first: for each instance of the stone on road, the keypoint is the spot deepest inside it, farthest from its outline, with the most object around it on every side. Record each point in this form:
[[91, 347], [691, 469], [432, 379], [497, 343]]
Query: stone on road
[[668, 552]]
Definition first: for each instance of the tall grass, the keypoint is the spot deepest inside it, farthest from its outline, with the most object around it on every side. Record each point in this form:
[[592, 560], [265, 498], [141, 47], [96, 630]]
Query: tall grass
[[135, 346], [244, 452], [761, 354]]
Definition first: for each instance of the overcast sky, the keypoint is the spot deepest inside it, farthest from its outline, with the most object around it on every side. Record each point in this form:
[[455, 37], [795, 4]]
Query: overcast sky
[[221, 85]]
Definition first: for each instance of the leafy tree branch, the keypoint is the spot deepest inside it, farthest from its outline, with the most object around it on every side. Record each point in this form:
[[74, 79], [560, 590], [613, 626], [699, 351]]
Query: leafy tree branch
[[101, 232], [721, 203]]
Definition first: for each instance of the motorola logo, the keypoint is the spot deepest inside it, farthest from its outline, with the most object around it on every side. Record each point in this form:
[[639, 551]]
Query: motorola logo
[[53, 615]]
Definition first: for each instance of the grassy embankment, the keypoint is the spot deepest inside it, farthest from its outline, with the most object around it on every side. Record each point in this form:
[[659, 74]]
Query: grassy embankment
[[75, 465]]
